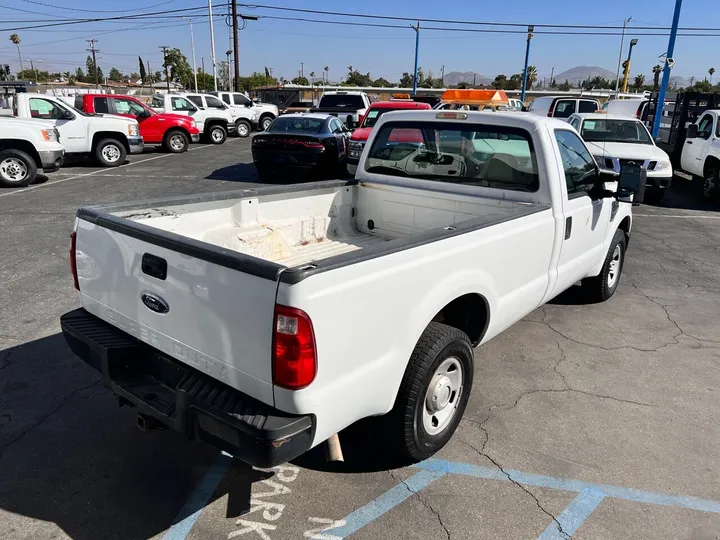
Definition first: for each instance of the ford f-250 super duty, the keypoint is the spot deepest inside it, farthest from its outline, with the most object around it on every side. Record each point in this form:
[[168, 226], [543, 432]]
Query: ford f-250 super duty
[[27, 146], [266, 321]]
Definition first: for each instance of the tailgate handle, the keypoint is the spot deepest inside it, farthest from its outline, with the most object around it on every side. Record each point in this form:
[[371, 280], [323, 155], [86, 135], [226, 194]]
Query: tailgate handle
[[154, 266]]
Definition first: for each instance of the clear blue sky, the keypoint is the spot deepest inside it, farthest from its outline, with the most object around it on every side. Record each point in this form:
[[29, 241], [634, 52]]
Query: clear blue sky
[[283, 45]]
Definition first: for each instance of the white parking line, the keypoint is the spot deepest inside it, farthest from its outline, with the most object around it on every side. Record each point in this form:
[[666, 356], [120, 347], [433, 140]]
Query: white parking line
[[676, 216], [96, 173]]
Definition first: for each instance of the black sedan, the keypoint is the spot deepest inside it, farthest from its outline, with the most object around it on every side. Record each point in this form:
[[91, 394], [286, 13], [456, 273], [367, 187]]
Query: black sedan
[[314, 143]]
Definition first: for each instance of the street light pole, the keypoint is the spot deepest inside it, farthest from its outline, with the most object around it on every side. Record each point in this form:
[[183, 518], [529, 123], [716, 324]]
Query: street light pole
[[417, 47], [192, 45], [633, 42], [531, 29], [622, 42], [666, 71], [212, 43]]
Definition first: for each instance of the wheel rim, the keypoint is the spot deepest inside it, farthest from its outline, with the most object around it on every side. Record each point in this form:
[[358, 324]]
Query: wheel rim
[[13, 169], [266, 123], [111, 153], [242, 130], [709, 186], [177, 142], [615, 263], [443, 396], [217, 135]]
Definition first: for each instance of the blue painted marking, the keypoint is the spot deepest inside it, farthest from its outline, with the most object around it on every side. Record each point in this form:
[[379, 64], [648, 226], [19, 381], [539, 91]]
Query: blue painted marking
[[574, 515], [384, 503], [616, 492], [196, 503]]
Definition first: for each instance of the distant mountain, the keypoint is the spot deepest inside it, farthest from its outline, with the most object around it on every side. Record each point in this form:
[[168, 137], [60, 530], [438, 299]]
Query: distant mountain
[[675, 81], [454, 78], [581, 73]]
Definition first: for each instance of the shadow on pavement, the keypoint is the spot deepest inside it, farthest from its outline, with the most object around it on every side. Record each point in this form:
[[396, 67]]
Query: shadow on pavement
[[78, 461], [686, 195], [240, 172]]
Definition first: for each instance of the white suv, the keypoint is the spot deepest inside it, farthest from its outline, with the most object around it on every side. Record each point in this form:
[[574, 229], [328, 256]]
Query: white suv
[[263, 114]]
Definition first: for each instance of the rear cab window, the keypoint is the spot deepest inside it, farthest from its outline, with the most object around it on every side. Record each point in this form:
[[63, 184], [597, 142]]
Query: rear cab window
[[499, 157], [564, 108], [588, 106], [158, 102], [101, 104]]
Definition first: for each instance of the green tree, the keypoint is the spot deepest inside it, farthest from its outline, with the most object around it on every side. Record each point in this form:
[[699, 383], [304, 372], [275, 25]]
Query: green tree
[[79, 75], [382, 83], [257, 80], [326, 69], [702, 86], [500, 82], [116, 75], [300, 80], [178, 68], [656, 76], [34, 75], [143, 73], [639, 82], [92, 70], [312, 77], [463, 85], [16, 41], [406, 81], [565, 87], [355, 78], [711, 71], [532, 76], [514, 82]]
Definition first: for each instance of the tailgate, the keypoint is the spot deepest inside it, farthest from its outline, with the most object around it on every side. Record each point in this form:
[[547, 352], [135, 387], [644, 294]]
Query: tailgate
[[205, 306]]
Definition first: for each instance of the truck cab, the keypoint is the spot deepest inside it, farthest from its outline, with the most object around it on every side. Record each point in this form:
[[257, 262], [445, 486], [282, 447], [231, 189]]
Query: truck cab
[[349, 107], [701, 153], [212, 117], [107, 138], [261, 115], [173, 131]]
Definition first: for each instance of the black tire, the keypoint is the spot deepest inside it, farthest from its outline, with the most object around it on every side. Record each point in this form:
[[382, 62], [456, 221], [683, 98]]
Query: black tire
[[243, 129], [265, 122], [110, 153], [176, 142], [216, 134], [439, 343], [17, 169], [264, 172], [601, 287], [654, 195], [711, 185]]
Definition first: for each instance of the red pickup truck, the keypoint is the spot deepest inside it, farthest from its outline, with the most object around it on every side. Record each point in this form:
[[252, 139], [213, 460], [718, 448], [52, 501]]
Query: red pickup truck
[[173, 131]]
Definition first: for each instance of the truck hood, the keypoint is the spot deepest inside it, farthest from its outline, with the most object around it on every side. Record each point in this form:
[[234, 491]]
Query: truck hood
[[627, 151], [267, 107], [361, 134], [24, 122]]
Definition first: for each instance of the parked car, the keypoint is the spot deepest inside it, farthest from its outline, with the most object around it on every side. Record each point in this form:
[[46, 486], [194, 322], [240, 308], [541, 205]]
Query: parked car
[[107, 138], [26, 147], [615, 140], [173, 131], [264, 321], [360, 135], [213, 118], [636, 107], [261, 115], [562, 107], [348, 106], [316, 143]]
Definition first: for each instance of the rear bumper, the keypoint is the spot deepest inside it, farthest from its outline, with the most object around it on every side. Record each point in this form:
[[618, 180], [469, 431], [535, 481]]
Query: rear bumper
[[136, 145], [184, 399], [52, 160]]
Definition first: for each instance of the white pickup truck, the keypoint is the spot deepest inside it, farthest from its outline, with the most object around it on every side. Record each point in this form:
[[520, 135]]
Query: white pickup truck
[[26, 147], [700, 156], [214, 118], [265, 321], [349, 107], [107, 138]]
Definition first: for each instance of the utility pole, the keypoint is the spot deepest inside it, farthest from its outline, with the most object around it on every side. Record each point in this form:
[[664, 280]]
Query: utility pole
[[202, 63], [93, 50], [552, 75], [150, 74], [669, 62], [622, 41], [417, 47], [442, 76], [235, 44], [167, 77], [229, 80], [626, 64], [531, 29], [302, 69], [192, 44], [212, 43]]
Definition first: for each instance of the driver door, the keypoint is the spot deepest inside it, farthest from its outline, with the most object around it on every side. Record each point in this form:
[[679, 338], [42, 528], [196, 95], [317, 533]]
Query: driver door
[[585, 220], [71, 129], [695, 150]]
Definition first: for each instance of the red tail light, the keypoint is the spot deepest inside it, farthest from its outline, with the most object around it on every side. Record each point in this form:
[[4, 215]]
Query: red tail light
[[294, 351], [73, 263]]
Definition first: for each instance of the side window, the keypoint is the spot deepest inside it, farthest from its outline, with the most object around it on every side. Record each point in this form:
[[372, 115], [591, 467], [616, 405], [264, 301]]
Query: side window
[[158, 102], [564, 108], [225, 97], [705, 126], [588, 106], [43, 108], [197, 100], [239, 99], [102, 105], [214, 103], [575, 123], [579, 165], [335, 125]]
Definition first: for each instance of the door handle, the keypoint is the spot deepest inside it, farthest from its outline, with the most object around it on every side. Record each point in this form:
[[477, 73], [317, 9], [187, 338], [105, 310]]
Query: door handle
[[689, 142], [568, 227]]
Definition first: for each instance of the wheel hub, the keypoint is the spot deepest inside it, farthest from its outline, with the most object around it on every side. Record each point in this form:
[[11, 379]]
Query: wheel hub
[[176, 142], [13, 169], [442, 396], [439, 393], [111, 153]]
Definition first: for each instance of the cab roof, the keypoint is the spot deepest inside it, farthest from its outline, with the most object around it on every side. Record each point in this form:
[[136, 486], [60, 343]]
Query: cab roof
[[400, 105], [500, 118], [602, 116]]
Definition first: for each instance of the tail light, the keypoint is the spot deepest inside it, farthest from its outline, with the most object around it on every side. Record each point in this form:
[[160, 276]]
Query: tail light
[[294, 351], [73, 263]]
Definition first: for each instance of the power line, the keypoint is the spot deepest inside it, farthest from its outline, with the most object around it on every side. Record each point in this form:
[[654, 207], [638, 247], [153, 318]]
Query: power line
[[96, 10]]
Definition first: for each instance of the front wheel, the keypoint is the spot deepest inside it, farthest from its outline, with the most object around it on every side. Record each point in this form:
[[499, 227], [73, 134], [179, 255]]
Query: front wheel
[[434, 392], [711, 185], [243, 128], [110, 153], [176, 142], [217, 134], [265, 123], [601, 287], [17, 169]]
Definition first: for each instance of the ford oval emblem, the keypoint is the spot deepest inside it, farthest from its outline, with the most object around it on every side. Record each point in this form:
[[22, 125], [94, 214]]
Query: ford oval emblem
[[154, 302]]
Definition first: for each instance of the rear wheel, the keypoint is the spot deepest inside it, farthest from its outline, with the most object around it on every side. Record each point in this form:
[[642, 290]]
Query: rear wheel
[[265, 122], [264, 172], [176, 141], [243, 128], [110, 153], [434, 392], [604, 285], [17, 169], [217, 134], [711, 185]]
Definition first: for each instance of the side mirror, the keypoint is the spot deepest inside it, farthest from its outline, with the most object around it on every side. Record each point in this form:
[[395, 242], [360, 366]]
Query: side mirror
[[67, 115], [692, 131], [658, 140], [145, 114], [249, 104], [350, 122], [632, 181]]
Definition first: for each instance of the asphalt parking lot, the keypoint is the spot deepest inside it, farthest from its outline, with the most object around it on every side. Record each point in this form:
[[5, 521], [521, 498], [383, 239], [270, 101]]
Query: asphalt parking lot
[[586, 421]]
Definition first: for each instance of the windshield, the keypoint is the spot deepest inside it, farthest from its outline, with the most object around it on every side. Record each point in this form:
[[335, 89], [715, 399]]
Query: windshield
[[622, 131], [348, 101], [480, 155], [286, 124]]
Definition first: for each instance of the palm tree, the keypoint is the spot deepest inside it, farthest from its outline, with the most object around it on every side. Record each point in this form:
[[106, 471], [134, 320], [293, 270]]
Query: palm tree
[[312, 78], [531, 76], [656, 76], [711, 71], [639, 82], [326, 69], [16, 40]]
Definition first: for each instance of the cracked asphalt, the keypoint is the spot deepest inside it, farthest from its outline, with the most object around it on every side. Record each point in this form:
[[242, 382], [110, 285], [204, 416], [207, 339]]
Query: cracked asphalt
[[624, 393]]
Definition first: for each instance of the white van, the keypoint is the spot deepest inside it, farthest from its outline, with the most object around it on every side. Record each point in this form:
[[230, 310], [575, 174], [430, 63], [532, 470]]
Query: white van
[[635, 107], [562, 107]]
